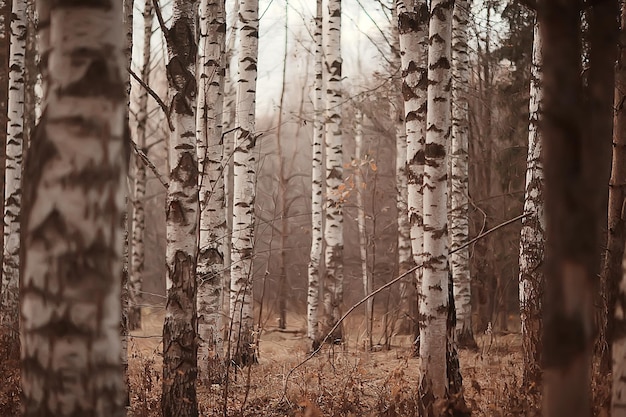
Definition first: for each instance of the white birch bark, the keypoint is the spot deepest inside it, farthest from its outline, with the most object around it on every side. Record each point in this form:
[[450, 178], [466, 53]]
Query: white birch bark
[[139, 183], [413, 34], [434, 288], [13, 174], [179, 329], [73, 204], [316, 188], [333, 228], [360, 219], [459, 209], [532, 236], [242, 343], [211, 188]]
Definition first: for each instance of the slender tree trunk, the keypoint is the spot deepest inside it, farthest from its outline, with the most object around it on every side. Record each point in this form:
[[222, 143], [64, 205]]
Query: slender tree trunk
[[13, 175], [573, 167], [408, 296], [211, 185], [532, 238], [459, 210], [73, 203], [179, 329], [243, 338], [413, 32], [316, 189], [333, 228], [366, 278], [5, 30], [139, 184], [434, 305], [617, 223]]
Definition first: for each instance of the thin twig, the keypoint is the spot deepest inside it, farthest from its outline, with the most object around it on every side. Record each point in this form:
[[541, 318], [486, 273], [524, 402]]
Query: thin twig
[[157, 11], [149, 164], [155, 96], [383, 287]]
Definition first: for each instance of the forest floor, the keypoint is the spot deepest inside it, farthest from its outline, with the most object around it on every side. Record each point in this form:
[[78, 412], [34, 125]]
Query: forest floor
[[342, 380]]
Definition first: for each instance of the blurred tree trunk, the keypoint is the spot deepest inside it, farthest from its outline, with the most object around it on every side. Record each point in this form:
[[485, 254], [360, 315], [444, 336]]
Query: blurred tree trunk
[[73, 203], [333, 228], [316, 189], [574, 167], [459, 220], [179, 329], [413, 33], [613, 270], [434, 289], [408, 295], [532, 238], [12, 177], [139, 183], [211, 188], [243, 340]]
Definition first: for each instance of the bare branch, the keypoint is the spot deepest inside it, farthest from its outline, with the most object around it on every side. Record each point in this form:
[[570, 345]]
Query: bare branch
[[155, 96], [149, 164], [157, 11]]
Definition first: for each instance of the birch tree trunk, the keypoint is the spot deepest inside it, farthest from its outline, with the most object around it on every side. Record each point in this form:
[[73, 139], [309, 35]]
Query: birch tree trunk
[[413, 33], [532, 239], [617, 222], [179, 329], [313, 292], [333, 228], [459, 210], [211, 186], [73, 203], [242, 337], [139, 184], [12, 176], [365, 275], [434, 304], [408, 295]]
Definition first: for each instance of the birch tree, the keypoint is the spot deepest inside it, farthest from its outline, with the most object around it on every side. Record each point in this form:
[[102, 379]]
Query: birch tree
[[459, 210], [73, 202], [179, 329], [211, 186], [434, 304], [12, 176], [617, 196], [533, 231], [333, 228], [242, 344], [413, 34], [139, 183], [316, 188]]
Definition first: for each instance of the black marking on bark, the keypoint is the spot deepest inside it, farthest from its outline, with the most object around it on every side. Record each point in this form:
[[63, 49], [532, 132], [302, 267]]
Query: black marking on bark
[[99, 78], [186, 172], [434, 151]]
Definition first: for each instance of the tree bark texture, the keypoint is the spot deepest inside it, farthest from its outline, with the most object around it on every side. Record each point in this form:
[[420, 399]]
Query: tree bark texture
[[413, 33], [333, 227], [573, 171], [211, 187], [243, 336], [459, 209], [613, 268], [317, 176], [5, 30], [179, 329], [12, 178], [139, 183], [434, 288], [532, 237], [71, 230]]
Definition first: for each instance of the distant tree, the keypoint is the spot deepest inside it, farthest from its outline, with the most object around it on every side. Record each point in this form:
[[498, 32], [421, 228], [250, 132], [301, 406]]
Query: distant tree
[[434, 289], [71, 229], [211, 187], [615, 244], [13, 176], [242, 335], [532, 239], [316, 188], [333, 227], [180, 326]]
